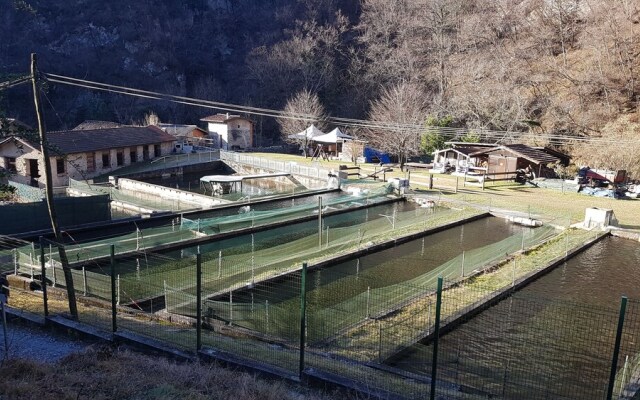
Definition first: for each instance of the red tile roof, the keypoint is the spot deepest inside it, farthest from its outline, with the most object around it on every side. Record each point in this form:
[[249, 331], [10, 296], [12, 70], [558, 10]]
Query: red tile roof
[[81, 141]]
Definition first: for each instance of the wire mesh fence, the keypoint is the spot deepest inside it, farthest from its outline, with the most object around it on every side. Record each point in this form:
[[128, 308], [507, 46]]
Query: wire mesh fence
[[182, 229], [366, 320]]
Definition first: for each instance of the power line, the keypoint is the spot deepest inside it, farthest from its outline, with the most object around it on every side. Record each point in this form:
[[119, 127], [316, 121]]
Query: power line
[[15, 82], [177, 99], [453, 133]]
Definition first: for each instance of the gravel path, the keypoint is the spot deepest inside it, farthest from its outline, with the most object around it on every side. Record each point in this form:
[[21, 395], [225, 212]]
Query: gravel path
[[36, 344]]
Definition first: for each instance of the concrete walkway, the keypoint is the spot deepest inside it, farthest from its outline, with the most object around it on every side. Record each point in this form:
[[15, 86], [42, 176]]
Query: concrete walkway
[[26, 342]]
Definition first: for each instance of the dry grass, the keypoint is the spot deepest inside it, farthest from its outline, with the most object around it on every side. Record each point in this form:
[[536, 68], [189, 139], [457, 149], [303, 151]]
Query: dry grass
[[505, 195], [105, 373]]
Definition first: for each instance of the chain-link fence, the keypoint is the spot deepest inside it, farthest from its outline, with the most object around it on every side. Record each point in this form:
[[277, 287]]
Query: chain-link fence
[[383, 321]]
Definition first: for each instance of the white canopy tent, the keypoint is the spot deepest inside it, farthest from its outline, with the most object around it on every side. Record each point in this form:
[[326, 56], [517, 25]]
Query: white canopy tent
[[332, 137], [309, 133]]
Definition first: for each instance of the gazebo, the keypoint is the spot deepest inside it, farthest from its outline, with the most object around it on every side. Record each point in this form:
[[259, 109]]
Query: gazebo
[[332, 142], [305, 137]]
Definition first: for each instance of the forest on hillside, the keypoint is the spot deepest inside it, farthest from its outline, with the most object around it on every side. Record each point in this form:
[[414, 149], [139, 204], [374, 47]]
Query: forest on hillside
[[565, 67]]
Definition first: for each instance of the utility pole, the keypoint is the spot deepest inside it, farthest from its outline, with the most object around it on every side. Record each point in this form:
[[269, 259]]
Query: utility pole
[[71, 294]]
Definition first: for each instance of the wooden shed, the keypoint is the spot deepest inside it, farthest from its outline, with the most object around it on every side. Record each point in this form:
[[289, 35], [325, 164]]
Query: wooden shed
[[505, 159], [459, 157]]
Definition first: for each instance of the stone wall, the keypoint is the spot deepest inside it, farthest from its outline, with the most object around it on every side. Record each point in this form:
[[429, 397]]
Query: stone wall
[[154, 191]]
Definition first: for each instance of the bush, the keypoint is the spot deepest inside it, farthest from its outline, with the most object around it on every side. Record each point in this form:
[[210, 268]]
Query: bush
[[7, 192]]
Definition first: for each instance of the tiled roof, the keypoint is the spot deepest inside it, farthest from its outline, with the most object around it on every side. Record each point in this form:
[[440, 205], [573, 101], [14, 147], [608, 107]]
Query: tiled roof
[[179, 130], [469, 149], [221, 118], [91, 124], [534, 155], [531, 154], [466, 150], [14, 124], [69, 142]]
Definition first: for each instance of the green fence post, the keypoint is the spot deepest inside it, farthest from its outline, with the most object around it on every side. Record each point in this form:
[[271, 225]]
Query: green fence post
[[112, 258], [616, 349], [303, 311], [43, 278], [436, 334], [199, 300]]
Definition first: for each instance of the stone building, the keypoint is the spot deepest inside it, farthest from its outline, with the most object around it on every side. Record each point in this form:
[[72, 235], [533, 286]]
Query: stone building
[[230, 132], [83, 154]]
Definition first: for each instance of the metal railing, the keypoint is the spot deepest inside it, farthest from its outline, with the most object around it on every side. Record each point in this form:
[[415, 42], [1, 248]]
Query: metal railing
[[274, 165]]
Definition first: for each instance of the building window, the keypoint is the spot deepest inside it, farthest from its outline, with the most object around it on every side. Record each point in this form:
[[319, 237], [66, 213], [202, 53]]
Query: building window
[[11, 164], [156, 150], [238, 126], [120, 158], [133, 155], [105, 160], [60, 166]]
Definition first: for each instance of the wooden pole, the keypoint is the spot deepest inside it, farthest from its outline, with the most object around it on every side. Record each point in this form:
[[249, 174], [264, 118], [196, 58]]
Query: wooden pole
[[71, 294]]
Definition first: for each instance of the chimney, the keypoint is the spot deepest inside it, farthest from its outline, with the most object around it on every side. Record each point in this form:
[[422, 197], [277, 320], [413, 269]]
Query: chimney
[[227, 115]]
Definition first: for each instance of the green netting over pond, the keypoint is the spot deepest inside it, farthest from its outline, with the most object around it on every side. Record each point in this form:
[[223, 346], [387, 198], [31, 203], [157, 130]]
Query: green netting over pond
[[181, 229], [235, 263], [277, 317], [248, 217]]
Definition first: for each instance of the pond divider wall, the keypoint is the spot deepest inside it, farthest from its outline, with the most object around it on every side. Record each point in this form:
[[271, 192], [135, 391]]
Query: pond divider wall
[[159, 219], [150, 191]]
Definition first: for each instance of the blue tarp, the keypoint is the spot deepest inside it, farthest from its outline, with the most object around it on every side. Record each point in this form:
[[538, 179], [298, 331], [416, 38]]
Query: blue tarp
[[599, 192], [373, 155]]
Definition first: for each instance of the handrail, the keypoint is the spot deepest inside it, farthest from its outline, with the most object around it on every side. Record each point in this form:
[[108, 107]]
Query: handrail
[[158, 159]]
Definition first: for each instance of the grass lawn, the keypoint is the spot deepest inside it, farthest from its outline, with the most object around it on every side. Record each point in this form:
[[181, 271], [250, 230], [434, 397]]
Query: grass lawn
[[504, 195]]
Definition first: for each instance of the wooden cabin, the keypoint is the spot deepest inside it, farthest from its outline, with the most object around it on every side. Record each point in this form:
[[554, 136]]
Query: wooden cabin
[[458, 157], [491, 159]]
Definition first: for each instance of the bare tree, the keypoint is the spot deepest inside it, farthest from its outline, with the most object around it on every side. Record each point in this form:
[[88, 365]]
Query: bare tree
[[398, 116], [388, 49], [308, 58], [151, 118], [622, 149], [557, 25], [442, 27], [301, 111]]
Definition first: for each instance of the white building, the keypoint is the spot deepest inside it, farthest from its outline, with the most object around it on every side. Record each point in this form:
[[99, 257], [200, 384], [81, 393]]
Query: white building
[[230, 132]]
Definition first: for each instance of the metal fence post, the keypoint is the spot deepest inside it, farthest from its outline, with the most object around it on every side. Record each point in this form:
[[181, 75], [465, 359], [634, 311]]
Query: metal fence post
[[199, 301], [112, 258], [303, 312], [436, 334], [84, 280], [43, 278], [616, 349], [320, 222]]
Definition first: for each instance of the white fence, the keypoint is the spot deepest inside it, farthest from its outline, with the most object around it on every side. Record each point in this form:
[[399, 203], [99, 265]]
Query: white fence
[[280, 166]]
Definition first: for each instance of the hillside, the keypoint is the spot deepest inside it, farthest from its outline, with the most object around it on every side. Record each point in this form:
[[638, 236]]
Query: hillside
[[558, 66]]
